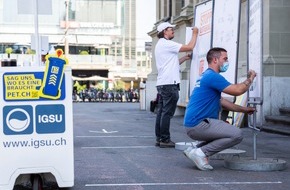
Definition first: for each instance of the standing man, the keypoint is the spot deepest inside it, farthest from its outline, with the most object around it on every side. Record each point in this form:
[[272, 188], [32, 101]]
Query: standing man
[[202, 113], [167, 63]]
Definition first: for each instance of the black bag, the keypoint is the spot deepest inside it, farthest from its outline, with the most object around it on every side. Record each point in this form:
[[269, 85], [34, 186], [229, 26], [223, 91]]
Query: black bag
[[153, 104]]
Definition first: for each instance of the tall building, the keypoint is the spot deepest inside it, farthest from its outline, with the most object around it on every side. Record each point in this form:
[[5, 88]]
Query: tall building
[[100, 35], [129, 35]]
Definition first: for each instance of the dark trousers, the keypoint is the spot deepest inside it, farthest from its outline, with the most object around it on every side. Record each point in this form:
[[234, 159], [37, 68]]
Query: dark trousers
[[169, 95]]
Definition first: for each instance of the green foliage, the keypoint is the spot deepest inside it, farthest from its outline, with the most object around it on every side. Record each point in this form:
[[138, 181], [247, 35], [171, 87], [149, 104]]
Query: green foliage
[[31, 51], [8, 50], [84, 53], [119, 85], [99, 86], [79, 87]]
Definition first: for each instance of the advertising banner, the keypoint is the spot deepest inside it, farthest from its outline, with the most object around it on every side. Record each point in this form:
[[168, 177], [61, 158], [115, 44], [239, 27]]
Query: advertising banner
[[255, 35], [226, 33], [36, 133], [203, 20]]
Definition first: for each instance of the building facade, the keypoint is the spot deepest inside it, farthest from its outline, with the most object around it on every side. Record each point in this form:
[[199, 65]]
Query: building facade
[[98, 37], [276, 51]]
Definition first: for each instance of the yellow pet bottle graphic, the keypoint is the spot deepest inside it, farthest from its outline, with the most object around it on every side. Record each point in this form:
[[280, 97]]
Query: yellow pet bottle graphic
[[52, 79]]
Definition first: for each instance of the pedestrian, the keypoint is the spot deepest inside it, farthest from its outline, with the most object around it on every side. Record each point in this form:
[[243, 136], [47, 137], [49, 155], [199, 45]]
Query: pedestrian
[[167, 63], [43, 57], [201, 118]]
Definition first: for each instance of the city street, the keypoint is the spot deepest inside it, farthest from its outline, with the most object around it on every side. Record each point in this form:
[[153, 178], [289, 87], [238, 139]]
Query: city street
[[114, 149]]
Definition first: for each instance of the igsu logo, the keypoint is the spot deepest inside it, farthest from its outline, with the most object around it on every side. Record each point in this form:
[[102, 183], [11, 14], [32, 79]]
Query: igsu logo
[[50, 118], [17, 120]]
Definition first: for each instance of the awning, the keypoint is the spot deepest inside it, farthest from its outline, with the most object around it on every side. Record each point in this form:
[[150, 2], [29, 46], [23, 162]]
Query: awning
[[92, 78], [93, 40]]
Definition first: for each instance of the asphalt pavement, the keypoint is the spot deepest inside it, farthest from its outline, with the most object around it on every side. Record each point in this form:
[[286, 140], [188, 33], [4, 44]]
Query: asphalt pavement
[[114, 148]]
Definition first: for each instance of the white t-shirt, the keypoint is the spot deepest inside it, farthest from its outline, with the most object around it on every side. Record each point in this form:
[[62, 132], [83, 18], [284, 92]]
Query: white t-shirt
[[167, 61]]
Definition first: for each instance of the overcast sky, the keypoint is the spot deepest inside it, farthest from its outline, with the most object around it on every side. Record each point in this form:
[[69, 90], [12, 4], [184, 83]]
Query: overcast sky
[[145, 20]]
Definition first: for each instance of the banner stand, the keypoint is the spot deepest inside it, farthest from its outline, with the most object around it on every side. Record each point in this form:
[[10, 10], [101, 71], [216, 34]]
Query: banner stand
[[36, 134]]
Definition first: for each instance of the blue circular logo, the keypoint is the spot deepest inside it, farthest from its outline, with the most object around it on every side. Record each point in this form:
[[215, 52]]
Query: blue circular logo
[[18, 120]]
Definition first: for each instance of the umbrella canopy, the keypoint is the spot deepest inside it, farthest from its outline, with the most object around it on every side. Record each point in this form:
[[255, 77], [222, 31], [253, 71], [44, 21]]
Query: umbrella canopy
[[92, 78]]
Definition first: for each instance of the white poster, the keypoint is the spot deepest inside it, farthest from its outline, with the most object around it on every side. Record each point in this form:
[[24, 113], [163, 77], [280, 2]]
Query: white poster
[[203, 20], [255, 47], [225, 33]]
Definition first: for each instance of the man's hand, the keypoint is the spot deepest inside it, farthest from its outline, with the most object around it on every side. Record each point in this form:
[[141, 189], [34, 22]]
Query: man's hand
[[188, 56], [194, 30], [251, 75], [249, 110]]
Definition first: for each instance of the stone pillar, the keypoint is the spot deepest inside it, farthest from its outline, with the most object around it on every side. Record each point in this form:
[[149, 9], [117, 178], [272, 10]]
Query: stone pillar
[[276, 58], [162, 9], [151, 90]]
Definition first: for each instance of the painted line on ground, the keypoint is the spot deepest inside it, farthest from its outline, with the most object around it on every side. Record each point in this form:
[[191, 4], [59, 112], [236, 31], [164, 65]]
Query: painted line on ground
[[116, 147], [196, 183], [115, 136]]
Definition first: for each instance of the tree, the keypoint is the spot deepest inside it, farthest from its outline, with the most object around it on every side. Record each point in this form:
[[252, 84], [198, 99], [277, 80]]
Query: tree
[[84, 53], [8, 51]]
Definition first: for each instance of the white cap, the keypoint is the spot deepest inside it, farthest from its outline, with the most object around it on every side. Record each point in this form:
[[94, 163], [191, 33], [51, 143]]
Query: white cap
[[163, 26]]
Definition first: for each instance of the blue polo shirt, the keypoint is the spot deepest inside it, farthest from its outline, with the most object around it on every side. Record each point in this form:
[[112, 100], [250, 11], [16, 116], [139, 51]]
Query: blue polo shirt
[[205, 99]]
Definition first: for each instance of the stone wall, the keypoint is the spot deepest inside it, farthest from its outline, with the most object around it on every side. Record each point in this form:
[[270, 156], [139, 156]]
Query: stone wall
[[276, 57]]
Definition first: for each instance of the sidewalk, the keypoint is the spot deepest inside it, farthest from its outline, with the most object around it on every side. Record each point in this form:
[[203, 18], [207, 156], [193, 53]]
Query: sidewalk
[[114, 149]]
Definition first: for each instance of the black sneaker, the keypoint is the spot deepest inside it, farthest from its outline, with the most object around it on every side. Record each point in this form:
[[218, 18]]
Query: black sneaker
[[157, 143], [168, 144]]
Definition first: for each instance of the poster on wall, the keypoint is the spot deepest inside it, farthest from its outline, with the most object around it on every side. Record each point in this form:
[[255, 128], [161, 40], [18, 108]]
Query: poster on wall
[[255, 48], [226, 18], [203, 20]]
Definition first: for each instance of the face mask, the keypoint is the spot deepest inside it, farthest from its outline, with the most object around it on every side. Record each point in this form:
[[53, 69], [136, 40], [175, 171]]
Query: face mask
[[224, 67]]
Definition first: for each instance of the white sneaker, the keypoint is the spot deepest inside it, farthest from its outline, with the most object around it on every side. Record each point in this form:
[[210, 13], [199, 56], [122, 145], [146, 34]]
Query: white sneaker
[[201, 162], [188, 150]]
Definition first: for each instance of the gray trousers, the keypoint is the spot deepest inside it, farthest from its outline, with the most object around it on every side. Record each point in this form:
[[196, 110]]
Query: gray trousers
[[215, 135]]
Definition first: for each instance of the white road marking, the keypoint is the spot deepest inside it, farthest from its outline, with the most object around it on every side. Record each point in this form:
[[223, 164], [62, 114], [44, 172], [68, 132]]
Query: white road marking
[[103, 131], [115, 147], [124, 136], [196, 183]]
